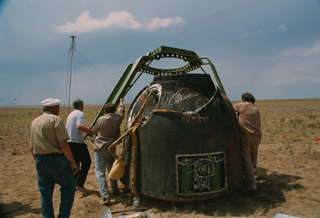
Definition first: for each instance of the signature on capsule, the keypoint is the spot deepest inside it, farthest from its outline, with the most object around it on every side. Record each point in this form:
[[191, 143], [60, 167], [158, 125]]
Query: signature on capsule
[[179, 97], [197, 117]]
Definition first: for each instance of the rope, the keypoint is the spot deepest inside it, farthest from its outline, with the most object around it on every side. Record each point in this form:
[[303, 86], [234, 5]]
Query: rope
[[135, 125], [188, 113], [203, 106], [35, 81], [134, 155], [137, 122], [96, 68], [166, 111]]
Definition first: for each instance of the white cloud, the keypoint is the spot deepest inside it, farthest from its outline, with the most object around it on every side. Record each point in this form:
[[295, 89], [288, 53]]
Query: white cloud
[[282, 28], [84, 23], [301, 51], [158, 23]]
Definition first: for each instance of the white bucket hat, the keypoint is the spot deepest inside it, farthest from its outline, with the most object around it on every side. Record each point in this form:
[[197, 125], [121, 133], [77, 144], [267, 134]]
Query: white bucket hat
[[50, 102]]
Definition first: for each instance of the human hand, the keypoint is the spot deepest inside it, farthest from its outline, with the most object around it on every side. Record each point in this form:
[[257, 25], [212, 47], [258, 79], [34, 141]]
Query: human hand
[[34, 156], [74, 168]]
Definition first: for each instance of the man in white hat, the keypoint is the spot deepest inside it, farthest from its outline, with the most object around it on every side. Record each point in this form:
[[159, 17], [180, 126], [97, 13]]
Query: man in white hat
[[54, 160]]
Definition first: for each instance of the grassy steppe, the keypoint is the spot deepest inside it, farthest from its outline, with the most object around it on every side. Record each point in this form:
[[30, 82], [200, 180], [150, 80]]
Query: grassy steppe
[[288, 169]]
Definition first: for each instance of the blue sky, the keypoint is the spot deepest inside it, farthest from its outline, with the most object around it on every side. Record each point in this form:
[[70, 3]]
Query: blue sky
[[270, 48]]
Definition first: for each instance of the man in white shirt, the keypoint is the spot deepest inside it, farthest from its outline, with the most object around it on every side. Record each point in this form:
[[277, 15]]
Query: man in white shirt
[[75, 127]]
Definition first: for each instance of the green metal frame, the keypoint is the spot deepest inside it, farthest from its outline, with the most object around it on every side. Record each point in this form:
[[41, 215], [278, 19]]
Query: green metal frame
[[125, 83]]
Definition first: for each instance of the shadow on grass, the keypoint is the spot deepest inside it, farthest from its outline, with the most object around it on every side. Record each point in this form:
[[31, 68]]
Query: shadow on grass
[[17, 209], [237, 203], [90, 192]]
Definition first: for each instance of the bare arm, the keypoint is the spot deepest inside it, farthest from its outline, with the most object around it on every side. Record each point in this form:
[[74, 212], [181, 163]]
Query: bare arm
[[68, 153], [121, 101], [121, 107], [84, 129]]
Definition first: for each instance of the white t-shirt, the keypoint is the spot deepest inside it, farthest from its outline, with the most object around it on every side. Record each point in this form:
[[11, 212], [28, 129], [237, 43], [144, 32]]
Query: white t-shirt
[[75, 117]]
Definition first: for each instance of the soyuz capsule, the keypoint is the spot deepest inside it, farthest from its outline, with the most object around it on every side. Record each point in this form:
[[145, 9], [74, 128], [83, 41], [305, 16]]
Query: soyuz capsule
[[186, 146]]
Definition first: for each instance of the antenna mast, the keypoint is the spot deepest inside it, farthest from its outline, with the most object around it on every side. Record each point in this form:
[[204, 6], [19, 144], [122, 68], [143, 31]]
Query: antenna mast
[[72, 49]]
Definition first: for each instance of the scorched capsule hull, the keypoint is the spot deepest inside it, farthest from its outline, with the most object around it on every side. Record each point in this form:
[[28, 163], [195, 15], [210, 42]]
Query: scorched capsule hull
[[185, 157], [182, 141]]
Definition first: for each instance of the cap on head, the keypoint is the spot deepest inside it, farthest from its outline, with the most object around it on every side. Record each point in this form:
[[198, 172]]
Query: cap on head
[[50, 102]]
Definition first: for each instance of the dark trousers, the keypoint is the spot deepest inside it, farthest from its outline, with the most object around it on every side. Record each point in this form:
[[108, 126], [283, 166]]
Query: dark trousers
[[81, 155]]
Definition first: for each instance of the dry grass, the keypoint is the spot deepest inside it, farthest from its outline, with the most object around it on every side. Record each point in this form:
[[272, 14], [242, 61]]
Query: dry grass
[[288, 169], [294, 119]]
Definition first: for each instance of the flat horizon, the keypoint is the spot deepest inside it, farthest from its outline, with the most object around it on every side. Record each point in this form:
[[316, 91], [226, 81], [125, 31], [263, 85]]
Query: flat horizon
[[88, 105]]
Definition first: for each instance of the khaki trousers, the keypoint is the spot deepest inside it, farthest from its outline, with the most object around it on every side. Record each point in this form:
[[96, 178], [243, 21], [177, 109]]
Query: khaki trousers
[[249, 153]]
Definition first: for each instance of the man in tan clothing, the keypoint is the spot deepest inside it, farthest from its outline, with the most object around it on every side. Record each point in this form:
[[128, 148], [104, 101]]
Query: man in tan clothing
[[54, 160], [250, 129], [106, 130]]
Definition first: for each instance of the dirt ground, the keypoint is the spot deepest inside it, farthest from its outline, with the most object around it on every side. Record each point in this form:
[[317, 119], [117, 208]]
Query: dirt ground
[[288, 172]]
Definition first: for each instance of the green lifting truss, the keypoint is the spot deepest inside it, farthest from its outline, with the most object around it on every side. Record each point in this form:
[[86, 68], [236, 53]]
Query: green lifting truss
[[142, 65]]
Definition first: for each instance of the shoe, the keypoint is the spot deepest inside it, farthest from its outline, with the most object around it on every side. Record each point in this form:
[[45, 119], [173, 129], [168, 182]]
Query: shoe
[[116, 193], [105, 200], [252, 188], [81, 189]]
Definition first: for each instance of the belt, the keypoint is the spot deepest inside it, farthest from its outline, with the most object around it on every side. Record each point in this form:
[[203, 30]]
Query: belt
[[50, 155]]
